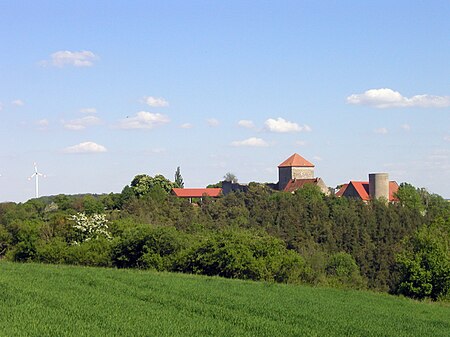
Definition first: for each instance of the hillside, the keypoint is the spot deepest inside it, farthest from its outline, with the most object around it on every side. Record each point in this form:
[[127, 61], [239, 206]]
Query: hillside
[[46, 300]]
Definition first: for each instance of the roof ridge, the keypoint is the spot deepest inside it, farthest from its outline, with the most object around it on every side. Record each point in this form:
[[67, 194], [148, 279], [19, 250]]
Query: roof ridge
[[296, 160]]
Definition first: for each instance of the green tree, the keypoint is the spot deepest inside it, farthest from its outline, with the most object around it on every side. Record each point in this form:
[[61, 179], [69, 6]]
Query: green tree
[[342, 270], [5, 240], [230, 177], [410, 197], [162, 182], [425, 263], [178, 178], [143, 183], [237, 253], [92, 205]]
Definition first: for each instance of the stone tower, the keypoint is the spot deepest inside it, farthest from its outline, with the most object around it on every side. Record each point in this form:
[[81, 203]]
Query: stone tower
[[295, 167], [379, 186]]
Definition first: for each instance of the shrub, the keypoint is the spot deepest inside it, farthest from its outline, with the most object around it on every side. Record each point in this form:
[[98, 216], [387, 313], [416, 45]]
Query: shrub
[[89, 227], [145, 246], [96, 253], [342, 271], [243, 254], [5, 240], [25, 237], [54, 251]]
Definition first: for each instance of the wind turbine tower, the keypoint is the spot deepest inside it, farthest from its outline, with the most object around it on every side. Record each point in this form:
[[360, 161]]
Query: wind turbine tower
[[36, 176]]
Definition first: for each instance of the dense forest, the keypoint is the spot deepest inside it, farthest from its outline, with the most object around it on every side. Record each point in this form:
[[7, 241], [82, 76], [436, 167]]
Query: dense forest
[[304, 237]]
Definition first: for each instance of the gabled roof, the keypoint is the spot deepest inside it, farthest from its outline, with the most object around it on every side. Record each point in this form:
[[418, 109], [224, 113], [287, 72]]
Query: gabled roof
[[196, 192], [362, 189], [393, 189], [296, 161], [295, 184], [341, 190]]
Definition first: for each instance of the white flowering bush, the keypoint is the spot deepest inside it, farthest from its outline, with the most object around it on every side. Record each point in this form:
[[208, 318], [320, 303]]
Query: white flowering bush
[[90, 227]]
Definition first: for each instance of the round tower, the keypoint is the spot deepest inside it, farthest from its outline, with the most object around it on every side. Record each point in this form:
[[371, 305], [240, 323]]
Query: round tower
[[379, 185]]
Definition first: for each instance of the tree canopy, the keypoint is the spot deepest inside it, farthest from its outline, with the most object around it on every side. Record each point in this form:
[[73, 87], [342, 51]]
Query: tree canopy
[[260, 234]]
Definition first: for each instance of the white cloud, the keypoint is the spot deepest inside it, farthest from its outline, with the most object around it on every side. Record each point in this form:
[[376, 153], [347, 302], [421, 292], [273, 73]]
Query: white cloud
[[18, 102], [281, 125], [143, 120], [42, 122], [439, 159], [85, 147], [158, 150], [447, 138], [439, 155], [81, 123], [156, 102], [88, 110], [300, 143], [186, 126], [406, 127], [246, 124], [1, 106], [381, 131], [317, 158], [212, 122], [62, 58], [388, 98], [253, 142]]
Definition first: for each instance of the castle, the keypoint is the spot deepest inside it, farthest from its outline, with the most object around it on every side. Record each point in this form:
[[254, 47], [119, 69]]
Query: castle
[[293, 173], [296, 172]]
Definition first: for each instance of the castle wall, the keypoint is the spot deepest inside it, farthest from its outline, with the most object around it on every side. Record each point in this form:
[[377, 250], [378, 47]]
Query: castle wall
[[302, 173], [284, 175], [228, 187], [323, 187]]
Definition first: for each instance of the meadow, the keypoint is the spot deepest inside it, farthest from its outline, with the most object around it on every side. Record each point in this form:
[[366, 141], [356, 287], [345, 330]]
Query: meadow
[[50, 300]]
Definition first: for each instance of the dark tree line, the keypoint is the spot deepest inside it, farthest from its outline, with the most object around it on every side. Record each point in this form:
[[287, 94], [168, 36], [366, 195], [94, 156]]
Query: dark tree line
[[304, 237]]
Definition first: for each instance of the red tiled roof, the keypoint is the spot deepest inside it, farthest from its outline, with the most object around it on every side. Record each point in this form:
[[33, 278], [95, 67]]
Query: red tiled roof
[[393, 188], [362, 188], [296, 161], [341, 190], [196, 192], [295, 184]]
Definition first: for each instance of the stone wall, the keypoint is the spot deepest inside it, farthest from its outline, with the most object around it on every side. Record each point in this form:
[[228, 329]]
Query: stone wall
[[228, 187], [285, 174]]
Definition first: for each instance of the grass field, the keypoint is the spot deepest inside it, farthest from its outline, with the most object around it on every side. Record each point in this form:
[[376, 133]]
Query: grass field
[[45, 300]]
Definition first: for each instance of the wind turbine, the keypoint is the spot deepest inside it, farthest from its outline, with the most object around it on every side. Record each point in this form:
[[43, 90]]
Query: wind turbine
[[36, 175]]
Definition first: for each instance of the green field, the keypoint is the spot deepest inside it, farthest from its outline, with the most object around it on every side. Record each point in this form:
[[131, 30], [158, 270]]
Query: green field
[[47, 300]]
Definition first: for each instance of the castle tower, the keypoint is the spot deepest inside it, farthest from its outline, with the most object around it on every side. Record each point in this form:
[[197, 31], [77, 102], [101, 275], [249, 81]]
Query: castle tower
[[379, 186], [295, 167]]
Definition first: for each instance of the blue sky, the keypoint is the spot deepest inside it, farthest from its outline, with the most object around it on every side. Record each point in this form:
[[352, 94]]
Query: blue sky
[[97, 92]]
